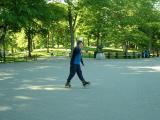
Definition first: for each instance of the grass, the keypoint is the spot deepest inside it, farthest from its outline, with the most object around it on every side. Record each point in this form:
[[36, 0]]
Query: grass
[[88, 52]]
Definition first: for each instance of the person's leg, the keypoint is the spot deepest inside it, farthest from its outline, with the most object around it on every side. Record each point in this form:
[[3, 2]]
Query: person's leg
[[79, 73], [72, 73]]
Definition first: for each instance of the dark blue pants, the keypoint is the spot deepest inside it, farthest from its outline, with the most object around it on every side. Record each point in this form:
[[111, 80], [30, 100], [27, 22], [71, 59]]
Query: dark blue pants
[[73, 70]]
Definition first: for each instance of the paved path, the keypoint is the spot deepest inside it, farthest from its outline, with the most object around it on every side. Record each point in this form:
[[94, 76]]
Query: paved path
[[120, 90]]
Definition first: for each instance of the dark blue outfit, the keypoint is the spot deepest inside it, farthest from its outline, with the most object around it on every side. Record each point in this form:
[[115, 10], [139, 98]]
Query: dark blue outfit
[[75, 67]]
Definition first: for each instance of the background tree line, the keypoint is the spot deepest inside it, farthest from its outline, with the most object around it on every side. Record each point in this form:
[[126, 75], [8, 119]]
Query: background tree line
[[36, 24]]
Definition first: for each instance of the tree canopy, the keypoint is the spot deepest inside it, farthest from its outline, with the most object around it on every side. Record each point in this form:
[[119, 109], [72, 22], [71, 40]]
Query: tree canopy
[[127, 24]]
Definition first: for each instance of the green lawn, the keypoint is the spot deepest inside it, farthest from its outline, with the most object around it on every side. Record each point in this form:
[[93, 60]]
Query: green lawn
[[88, 52]]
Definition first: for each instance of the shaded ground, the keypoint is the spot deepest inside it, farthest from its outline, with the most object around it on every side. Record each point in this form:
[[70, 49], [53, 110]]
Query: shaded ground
[[120, 90]]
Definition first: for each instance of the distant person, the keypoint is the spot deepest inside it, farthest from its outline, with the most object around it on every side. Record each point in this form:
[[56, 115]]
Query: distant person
[[75, 67], [146, 54]]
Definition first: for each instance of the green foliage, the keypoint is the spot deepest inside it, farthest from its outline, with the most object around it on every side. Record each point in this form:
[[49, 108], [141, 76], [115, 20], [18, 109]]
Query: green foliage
[[127, 24], [118, 22]]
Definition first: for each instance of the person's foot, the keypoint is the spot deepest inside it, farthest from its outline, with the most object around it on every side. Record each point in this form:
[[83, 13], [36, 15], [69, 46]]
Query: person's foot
[[67, 85], [85, 83]]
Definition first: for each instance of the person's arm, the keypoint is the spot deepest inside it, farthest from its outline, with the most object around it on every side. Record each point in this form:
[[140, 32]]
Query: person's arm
[[82, 62], [81, 58]]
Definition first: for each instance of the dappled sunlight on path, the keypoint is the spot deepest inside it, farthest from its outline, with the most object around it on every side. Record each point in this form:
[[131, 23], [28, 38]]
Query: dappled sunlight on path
[[42, 87], [145, 69]]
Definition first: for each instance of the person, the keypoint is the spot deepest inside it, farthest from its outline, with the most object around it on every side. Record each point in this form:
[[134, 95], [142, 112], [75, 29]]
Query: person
[[75, 67]]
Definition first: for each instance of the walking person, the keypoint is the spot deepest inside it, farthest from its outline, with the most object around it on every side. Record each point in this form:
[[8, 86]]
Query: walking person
[[76, 60]]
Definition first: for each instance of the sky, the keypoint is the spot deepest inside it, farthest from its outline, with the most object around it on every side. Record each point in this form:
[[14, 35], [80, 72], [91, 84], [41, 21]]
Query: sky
[[49, 1]]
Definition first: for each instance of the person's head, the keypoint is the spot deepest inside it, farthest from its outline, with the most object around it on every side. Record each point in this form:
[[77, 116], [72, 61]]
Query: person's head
[[80, 44]]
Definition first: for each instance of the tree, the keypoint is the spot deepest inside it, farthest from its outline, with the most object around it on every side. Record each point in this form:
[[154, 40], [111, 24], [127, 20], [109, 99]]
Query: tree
[[54, 25], [73, 7], [119, 18]]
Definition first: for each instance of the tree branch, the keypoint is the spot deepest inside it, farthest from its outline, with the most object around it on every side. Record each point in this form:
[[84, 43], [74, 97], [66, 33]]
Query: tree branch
[[74, 21]]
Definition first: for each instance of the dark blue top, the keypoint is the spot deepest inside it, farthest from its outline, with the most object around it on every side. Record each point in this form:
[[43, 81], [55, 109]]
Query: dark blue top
[[76, 57]]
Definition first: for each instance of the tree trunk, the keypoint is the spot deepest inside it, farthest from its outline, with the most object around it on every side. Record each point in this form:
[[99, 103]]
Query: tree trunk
[[3, 43], [48, 43], [101, 42], [125, 47], [88, 41], [4, 50], [58, 41], [52, 40], [150, 41], [150, 45], [97, 45], [34, 46], [70, 18], [12, 49], [84, 43], [29, 44]]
